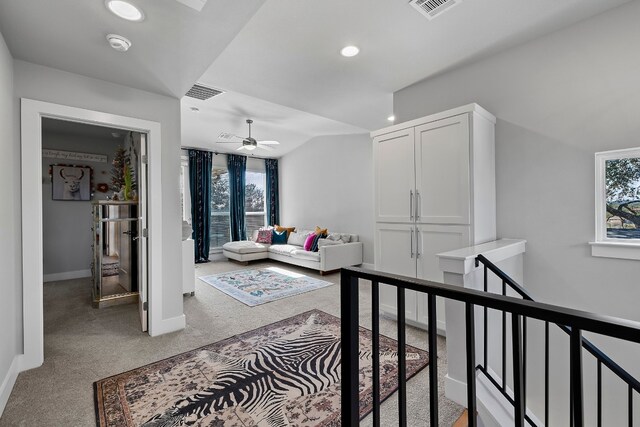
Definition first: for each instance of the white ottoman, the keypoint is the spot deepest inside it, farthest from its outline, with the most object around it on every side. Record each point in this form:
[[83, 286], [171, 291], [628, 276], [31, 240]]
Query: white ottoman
[[245, 251]]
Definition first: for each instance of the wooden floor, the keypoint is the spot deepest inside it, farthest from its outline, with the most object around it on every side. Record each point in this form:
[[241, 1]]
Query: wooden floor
[[462, 421]]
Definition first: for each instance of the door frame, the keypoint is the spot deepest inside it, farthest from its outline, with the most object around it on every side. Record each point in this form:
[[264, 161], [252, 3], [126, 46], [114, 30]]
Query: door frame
[[32, 112]]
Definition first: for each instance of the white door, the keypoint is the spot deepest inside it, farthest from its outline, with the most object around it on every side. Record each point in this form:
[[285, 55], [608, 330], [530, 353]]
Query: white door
[[393, 160], [432, 240], [395, 253], [142, 235], [442, 171]]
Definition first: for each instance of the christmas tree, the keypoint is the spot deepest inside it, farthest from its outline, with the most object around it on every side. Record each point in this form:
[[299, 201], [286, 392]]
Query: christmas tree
[[120, 161]]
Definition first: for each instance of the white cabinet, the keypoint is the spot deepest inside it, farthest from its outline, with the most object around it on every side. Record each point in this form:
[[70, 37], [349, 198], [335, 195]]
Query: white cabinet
[[434, 192]]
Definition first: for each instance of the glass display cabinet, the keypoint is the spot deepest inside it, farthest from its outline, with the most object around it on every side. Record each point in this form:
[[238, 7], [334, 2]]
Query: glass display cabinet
[[115, 254]]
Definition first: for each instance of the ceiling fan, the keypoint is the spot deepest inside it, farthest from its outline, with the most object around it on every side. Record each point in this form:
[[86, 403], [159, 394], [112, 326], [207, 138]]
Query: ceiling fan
[[248, 143]]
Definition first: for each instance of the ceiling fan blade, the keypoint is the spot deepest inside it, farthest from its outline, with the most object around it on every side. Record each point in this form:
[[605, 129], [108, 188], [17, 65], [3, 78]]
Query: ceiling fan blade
[[269, 142], [265, 147], [228, 142], [229, 136]]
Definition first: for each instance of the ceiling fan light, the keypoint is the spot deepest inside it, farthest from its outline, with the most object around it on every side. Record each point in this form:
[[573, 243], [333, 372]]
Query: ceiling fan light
[[250, 147]]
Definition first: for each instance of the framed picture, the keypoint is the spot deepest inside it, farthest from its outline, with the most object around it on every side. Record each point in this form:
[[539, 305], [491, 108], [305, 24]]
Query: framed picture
[[71, 182]]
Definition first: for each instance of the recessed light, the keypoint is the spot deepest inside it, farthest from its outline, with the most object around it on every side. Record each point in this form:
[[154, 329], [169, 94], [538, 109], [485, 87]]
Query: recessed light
[[391, 118], [119, 43], [125, 10], [194, 109], [349, 51]]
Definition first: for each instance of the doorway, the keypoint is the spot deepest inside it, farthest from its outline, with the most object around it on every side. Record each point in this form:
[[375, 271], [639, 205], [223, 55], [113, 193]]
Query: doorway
[[94, 196], [32, 113]]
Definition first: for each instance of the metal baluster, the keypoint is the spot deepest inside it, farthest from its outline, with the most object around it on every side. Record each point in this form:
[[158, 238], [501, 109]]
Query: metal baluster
[[524, 362], [350, 401], [518, 382], [471, 361], [485, 326], [575, 348], [402, 361], [433, 361], [546, 374], [375, 350], [630, 406], [504, 341], [599, 388]]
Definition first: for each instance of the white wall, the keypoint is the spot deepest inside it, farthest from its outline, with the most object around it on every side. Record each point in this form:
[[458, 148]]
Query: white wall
[[10, 249], [558, 100], [50, 85], [328, 182], [67, 224]]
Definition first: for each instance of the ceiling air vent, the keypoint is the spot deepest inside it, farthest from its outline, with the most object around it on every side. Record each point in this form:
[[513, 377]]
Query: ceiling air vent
[[433, 8], [203, 93]]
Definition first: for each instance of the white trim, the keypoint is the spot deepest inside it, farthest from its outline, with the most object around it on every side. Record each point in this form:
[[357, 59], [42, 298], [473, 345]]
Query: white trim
[[8, 382], [462, 261], [368, 266], [165, 326], [66, 275], [32, 112], [469, 108], [455, 390], [619, 250]]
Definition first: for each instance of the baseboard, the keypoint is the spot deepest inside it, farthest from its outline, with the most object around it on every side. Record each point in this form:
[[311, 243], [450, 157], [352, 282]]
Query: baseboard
[[166, 326], [67, 275], [455, 390], [8, 382], [368, 266]]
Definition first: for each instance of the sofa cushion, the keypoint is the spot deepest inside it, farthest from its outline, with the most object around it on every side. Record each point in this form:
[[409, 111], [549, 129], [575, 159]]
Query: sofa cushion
[[321, 230], [289, 230], [284, 249], [297, 239], [264, 236], [245, 247], [302, 254], [327, 242]]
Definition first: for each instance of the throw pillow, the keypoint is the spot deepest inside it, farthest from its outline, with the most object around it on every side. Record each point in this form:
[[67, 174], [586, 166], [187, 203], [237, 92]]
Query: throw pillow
[[264, 236], [344, 238], [279, 237], [321, 230], [308, 243], [318, 237], [287, 229]]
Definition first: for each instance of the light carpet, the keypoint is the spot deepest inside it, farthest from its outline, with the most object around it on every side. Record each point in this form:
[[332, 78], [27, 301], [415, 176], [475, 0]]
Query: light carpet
[[255, 287]]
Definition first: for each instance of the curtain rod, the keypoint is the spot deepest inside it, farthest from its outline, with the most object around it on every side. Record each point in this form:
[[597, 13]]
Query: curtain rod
[[217, 152]]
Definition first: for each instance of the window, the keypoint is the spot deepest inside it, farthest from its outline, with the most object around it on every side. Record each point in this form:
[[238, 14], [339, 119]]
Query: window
[[220, 227], [254, 195], [618, 204]]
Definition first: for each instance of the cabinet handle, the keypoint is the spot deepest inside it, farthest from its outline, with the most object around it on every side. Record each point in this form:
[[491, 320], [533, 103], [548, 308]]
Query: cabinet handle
[[417, 243], [411, 242], [418, 205], [411, 204]]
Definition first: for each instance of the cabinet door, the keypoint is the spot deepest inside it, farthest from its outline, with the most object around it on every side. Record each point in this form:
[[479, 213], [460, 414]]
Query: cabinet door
[[442, 171], [432, 240], [395, 253], [393, 160]]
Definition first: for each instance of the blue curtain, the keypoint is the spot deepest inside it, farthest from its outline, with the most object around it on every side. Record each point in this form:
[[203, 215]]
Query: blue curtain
[[200, 185], [273, 199], [237, 165]]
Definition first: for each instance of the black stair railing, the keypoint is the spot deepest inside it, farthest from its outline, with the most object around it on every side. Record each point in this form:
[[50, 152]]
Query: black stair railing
[[574, 320], [632, 384]]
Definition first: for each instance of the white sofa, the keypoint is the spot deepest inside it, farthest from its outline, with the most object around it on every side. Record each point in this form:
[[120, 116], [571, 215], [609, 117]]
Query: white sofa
[[330, 256]]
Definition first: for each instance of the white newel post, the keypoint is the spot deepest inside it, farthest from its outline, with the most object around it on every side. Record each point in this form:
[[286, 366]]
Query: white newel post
[[459, 269]]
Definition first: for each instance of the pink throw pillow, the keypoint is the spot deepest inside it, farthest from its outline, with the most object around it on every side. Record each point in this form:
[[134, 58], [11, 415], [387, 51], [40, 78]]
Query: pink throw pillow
[[264, 236], [308, 243]]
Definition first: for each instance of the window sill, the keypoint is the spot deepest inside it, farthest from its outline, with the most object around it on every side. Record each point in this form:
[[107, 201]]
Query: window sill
[[616, 250]]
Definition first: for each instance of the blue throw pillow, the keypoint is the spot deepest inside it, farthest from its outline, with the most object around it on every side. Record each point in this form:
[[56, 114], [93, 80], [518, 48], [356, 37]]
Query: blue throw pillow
[[314, 246], [279, 238]]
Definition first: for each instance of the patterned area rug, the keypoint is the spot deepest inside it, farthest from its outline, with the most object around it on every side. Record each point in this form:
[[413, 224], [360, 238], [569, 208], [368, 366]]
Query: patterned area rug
[[255, 287], [110, 269], [283, 374]]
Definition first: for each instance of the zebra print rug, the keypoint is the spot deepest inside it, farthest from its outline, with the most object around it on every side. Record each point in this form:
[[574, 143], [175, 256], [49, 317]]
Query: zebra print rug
[[283, 374]]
